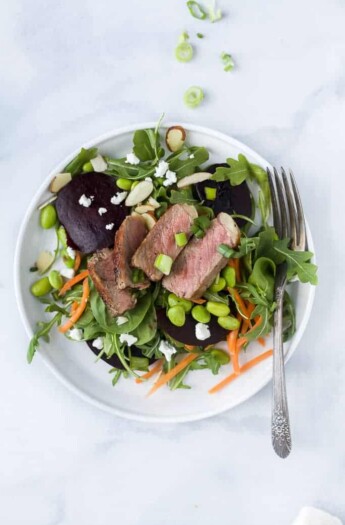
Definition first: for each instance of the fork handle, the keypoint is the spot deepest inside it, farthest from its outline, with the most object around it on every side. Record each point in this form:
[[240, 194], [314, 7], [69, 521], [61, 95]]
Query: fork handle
[[280, 425]]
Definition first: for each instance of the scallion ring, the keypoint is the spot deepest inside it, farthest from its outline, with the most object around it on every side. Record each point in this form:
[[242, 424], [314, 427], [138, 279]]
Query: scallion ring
[[184, 52], [193, 96]]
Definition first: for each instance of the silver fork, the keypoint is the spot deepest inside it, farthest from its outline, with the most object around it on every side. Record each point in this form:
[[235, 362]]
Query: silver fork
[[288, 220]]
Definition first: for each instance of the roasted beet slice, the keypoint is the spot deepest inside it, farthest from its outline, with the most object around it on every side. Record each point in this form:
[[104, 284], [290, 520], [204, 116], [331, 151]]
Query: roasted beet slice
[[114, 361], [186, 334], [230, 199], [86, 227]]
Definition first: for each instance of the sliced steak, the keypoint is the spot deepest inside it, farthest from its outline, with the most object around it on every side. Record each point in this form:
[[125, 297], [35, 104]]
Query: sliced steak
[[200, 262], [161, 239], [128, 238], [102, 272]]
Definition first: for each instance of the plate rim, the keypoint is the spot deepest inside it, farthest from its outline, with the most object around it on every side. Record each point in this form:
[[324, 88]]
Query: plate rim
[[115, 132]]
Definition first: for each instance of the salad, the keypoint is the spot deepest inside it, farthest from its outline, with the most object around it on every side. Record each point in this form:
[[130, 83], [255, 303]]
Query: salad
[[159, 258]]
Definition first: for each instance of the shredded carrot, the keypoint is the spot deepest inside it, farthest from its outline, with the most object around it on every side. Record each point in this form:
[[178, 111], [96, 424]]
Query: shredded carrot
[[189, 347], [235, 264], [74, 307], [244, 368], [243, 310], [79, 311], [198, 301], [258, 321], [154, 370], [231, 340], [250, 307], [240, 342], [261, 341], [67, 286], [77, 261], [165, 378]]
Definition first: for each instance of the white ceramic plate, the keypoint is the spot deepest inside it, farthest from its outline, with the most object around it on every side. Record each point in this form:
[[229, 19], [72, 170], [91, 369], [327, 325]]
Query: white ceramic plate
[[74, 364]]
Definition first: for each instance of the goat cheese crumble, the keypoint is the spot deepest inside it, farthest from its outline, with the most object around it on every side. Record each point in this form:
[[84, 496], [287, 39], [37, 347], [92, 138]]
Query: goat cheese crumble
[[121, 320], [67, 272], [119, 197], [131, 158], [98, 343], [109, 226], [128, 338], [85, 201], [202, 331], [101, 211], [70, 252], [170, 178], [161, 169], [167, 350], [76, 334]]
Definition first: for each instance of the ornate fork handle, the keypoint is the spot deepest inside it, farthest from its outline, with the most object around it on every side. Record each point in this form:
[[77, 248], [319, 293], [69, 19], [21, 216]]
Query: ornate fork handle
[[280, 425]]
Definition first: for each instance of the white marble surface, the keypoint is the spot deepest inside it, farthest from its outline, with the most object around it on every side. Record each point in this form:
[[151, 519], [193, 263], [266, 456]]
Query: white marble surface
[[71, 70]]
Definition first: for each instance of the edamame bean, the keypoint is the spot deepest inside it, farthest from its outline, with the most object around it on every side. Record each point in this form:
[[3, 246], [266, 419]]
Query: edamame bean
[[219, 285], [200, 314], [48, 217], [41, 287], [217, 309], [229, 275], [124, 184], [87, 168], [228, 322], [55, 279], [61, 233], [173, 300], [177, 315], [222, 357]]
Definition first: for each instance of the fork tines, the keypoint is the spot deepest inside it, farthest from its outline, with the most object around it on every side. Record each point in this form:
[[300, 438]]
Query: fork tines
[[288, 216]]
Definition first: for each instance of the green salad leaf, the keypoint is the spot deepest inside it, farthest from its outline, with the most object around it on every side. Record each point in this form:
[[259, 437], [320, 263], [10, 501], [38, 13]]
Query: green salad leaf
[[146, 145], [76, 165], [187, 166], [184, 196], [42, 332], [298, 263]]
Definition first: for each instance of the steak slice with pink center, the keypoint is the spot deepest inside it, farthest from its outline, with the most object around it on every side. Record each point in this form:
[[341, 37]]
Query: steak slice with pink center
[[128, 238], [102, 272], [161, 239], [198, 265]]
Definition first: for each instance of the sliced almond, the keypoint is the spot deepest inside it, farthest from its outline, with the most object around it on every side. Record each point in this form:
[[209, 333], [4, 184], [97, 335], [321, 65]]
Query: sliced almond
[[228, 222], [194, 179], [44, 261], [144, 208], [99, 164], [48, 201], [155, 204], [139, 193], [59, 181], [175, 137], [149, 220]]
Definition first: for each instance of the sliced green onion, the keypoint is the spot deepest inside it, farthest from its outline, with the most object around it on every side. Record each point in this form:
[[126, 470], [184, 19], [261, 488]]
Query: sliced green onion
[[244, 217], [225, 250], [181, 239], [210, 193], [198, 232], [193, 96], [200, 35], [184, 52], [228, 61], [196, 10], [203, 221], [184, 37], [163, 263], [214, 13]]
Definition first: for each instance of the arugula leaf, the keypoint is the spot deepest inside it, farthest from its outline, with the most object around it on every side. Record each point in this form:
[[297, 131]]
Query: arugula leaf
[[297, 263], [289, 318], [187, 166], [42, 332], [263, 277], [146, 145], [183, 196], [76, 165], [117, 374], [247, 245], [264, 327], [121, 168], [213, 296]]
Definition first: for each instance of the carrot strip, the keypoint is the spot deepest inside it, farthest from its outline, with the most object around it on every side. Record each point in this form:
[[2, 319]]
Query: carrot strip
[[243, 310], [156, 368], [77, 261], [74, 306], [231, 340], [261, 341], [165, 378], [258, 321], [198, 301], [73, 281], [79, 311], [244, 368], [235, 264], [240, 342], [189, 347], [247, 323]]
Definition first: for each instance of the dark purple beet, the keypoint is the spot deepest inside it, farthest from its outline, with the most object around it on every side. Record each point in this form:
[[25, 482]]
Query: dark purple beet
[[114, 361], [186, 334], [85, 227], [230, 199]]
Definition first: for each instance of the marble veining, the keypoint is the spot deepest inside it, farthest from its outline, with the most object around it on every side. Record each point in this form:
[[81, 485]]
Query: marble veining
[[72, 70]]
